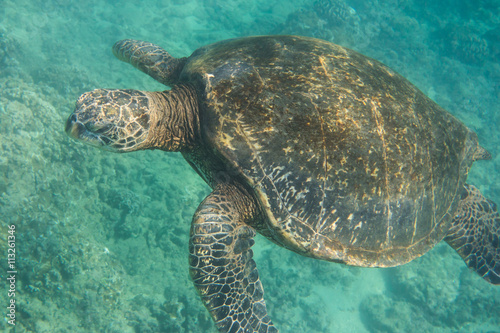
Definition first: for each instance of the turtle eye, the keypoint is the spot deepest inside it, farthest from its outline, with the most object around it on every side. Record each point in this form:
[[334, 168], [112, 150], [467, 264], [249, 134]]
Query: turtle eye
[[107, 141], [97, 128]]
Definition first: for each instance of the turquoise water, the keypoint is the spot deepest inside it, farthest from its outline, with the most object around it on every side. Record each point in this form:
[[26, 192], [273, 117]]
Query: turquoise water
[[102, 238]]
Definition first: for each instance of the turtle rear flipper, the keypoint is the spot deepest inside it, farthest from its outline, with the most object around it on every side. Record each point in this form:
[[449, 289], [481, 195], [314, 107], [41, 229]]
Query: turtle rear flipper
[[150, 59], [221, 262], [475, 234]]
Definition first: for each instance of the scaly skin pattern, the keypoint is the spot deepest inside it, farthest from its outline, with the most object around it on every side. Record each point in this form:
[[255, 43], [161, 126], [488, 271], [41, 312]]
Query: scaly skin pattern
[[124, 120], [150, 59], [350, 161], [475, 234], [112, 119], [221, 262]]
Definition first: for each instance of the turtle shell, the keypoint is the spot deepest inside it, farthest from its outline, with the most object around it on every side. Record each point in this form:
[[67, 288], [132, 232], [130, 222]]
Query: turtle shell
[[349, 161]]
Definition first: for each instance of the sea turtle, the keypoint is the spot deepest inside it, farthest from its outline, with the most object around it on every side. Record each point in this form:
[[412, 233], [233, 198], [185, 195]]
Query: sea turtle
[[320, 149]]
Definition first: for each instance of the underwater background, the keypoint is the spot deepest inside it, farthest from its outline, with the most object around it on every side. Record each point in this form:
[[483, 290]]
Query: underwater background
[[102, 238]]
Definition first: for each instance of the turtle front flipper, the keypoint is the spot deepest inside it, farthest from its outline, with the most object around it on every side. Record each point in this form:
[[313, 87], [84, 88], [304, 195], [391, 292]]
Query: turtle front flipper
[[475, 234], [221, 262], [151, 59]]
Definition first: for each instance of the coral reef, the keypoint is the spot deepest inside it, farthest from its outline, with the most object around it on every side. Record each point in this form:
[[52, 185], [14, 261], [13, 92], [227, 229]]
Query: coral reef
[[332, 20], [336, 12], [102, 238], [464, 43]]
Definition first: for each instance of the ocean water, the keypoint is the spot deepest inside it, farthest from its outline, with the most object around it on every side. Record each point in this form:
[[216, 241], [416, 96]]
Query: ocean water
[[101, 238]]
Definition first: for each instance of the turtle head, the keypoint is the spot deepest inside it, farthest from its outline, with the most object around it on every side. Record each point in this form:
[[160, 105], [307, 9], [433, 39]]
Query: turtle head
[[123, 120], [114, 120]]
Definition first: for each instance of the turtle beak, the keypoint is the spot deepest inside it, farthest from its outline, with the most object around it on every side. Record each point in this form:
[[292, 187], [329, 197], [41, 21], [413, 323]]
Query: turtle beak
[[74, 128], [77, 130]]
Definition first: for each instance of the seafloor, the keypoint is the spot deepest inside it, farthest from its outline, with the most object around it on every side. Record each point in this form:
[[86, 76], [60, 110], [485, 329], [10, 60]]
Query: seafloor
[[102, 238]]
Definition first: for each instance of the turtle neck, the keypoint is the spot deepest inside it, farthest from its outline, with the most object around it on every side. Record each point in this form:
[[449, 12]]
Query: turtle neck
[[174, 119]]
